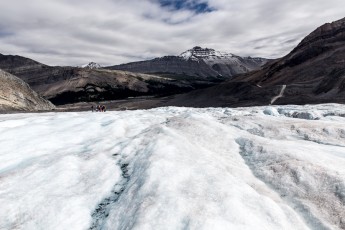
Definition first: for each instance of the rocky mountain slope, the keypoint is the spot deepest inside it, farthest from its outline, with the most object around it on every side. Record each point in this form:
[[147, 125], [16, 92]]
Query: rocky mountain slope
[[100, 85], [314, 72], [63, 85], [196, 63], [15, 94]]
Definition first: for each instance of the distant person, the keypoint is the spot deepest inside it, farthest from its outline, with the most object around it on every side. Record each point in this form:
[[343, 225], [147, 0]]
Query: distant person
[[92, 108]]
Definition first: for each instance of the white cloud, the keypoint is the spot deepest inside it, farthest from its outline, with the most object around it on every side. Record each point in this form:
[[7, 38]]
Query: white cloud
[[72, 32]]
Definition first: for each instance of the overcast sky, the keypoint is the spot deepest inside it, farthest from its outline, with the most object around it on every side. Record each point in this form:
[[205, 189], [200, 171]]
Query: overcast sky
[[75, 32]]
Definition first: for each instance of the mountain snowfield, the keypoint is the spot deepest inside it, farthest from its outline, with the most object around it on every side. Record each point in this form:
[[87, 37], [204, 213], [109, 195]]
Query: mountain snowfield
[[273, 167]]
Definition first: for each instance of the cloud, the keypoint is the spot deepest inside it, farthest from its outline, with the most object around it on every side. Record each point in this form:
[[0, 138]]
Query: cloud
[[74, 32]]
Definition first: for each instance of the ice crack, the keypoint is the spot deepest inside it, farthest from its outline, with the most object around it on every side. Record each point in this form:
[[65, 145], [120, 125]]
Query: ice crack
[[101, 213]]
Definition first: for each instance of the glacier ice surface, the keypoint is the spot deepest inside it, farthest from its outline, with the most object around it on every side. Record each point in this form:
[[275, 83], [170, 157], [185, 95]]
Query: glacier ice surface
[[274, 167]]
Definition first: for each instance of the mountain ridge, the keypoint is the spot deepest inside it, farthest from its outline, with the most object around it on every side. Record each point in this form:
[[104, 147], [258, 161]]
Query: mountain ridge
[[197, 62], [68, 84]]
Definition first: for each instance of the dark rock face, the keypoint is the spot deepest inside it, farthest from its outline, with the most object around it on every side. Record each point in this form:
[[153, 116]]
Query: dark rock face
[[314, 72], [197, 63], [16, 95]]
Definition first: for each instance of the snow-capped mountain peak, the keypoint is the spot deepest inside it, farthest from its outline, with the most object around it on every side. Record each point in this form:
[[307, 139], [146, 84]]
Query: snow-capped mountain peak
[[197, 53], [222, 62], [92, 65]]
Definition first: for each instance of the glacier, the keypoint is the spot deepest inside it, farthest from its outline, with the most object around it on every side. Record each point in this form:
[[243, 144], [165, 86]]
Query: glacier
[[271, 167]]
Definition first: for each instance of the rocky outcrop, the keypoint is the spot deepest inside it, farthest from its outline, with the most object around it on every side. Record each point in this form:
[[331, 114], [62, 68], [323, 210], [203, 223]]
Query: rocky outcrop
[[16, 95], [314, 72], [196, 63]]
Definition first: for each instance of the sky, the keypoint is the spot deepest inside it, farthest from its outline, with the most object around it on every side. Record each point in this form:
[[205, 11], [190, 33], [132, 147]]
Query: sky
[[75, 32]]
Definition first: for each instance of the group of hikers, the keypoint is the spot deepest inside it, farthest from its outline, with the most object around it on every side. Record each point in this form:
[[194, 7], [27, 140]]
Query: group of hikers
[[99, 108]]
